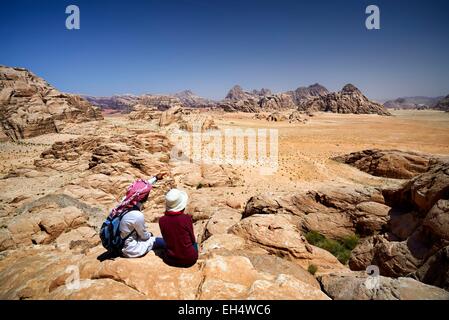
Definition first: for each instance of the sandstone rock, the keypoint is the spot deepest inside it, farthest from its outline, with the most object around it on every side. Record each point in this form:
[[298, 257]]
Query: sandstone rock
[[435, 271], [41, 228], [277, 235], [276, 117], [437, 219], [297, 117], [161, 102], [222, 221], [388, 163], [424, 190], [357, 286], [334, 211], [220, 241], [402, 225], [208, 175], [142, 112], [302, 94], [197, 123], [29, 106], [237, 93], [250, 104], [170, 116], [363, 254], [189, 99], [284, 287], [123, 103], [443, 104], [413, 240], [348, 100], [222, 282], [276, 102]]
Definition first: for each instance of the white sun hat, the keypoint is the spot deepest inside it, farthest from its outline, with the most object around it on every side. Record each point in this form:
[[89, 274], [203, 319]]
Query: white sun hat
[[176, 200]]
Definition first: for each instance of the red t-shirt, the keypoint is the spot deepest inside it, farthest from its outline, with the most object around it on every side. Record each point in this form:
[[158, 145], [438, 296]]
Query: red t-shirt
[[177, 231]]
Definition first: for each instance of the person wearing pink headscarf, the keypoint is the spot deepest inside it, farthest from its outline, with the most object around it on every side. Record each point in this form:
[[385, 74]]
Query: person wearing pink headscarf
[[138, 241]]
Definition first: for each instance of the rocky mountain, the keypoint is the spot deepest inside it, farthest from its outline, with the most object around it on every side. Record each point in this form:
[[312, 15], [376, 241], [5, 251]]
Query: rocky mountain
[[418, 102], [29, 106], [190, 99], [303, 94], [443, 104], [255, 101], [262, 92], [236, 93], [348, 100], [126, 103], [121, 103], [161, 102]]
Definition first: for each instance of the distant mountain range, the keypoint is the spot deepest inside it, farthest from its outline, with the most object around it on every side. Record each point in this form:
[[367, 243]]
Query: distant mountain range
[[418, 102]]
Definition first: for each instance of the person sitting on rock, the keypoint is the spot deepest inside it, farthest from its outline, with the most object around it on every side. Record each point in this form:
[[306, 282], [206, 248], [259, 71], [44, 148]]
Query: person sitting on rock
[[177, 231], [138, 241]]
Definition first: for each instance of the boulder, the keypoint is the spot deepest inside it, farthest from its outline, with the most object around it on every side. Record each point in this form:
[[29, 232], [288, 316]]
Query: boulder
[[360, 286], [277, 235], [435, 271], [437, 219], [388, 163]]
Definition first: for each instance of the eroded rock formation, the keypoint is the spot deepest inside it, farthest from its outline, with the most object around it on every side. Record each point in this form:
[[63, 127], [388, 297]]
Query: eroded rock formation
[[29, 106], [348, 100]]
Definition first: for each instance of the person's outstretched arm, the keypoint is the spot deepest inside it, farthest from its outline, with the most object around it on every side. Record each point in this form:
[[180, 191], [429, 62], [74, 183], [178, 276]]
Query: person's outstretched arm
[[157, 177]]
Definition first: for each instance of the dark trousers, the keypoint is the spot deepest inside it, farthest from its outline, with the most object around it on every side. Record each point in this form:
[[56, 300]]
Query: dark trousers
[[159, 243]]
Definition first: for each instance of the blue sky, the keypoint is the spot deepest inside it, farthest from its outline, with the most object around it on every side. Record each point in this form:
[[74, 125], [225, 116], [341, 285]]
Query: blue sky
[[208, 46]]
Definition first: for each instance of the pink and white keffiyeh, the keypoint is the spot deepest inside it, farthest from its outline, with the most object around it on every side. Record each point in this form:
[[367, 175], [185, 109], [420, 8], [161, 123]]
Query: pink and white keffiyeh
[[135, 193]]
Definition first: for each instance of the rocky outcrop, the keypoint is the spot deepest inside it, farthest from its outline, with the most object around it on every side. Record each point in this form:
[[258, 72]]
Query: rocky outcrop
[[303, 94], [29, 106], [360, 286], [442, 104], [388, 163], [348, 100], [236, 93], [160, 102], [278, 235], [187, 120], [279, 116], [190, 99], [276, 117], [256, 101], [276, 102], [298, 117], [250, 104], [334, 211], [142, 112], [413, 240], [435, 270], [218, 277], [122, 103]]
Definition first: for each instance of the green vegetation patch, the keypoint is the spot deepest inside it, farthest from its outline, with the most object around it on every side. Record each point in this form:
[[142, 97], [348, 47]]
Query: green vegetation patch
[[341, 249]]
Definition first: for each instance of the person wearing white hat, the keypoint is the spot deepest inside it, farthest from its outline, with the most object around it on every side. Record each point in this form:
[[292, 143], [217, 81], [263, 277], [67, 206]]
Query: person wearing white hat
[[177, 231]]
